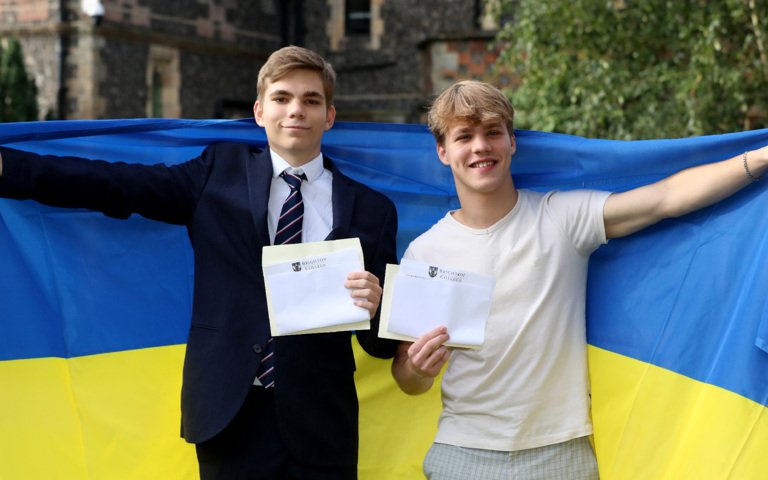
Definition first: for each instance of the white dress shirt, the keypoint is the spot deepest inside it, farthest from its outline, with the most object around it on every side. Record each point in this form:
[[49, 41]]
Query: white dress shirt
[[315, 191]]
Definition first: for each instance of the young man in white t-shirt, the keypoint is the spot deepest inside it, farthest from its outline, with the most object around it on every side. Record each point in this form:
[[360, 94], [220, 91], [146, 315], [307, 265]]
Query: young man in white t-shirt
[[518, 407]]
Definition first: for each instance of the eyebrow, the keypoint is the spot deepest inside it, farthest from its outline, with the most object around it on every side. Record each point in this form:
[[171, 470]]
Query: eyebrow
[[308, 94], [469, 128]]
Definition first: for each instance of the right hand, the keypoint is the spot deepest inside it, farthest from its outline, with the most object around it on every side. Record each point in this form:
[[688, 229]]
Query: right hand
[[428, 354]]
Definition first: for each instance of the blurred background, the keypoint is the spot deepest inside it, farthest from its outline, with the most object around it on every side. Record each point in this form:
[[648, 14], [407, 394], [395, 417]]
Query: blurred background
[[602, 68]]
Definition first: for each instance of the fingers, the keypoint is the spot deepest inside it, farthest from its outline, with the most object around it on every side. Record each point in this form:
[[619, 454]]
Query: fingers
[[431, 340], [365, 290], [428, 354], [429, 365]]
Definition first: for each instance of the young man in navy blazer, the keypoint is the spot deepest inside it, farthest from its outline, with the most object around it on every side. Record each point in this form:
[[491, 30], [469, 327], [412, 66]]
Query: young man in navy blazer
[[305, 426]]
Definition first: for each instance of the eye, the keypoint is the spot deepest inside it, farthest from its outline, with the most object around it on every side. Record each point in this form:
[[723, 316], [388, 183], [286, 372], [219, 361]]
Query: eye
[[314, 101], [279, 99]]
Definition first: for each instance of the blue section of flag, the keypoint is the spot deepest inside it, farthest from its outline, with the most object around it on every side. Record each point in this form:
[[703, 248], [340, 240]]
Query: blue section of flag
[[687, 294]]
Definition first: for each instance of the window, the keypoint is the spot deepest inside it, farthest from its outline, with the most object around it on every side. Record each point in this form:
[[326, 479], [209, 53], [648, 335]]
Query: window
[[357, 17], [355, 24], [163, 83], [157, 94]]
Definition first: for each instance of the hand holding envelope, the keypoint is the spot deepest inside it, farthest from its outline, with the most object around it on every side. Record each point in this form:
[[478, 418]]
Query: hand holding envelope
[[419, 297], [305, 287]]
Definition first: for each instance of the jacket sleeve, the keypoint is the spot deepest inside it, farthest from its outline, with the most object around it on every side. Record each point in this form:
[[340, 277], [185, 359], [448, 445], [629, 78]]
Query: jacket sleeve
[[386, 252], [117, 189]]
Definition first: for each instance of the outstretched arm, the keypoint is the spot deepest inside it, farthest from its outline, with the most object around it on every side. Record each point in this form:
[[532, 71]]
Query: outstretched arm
[[681, 193], [417, 364]]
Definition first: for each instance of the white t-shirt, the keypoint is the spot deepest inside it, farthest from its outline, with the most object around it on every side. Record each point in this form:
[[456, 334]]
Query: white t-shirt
[[527, 386]]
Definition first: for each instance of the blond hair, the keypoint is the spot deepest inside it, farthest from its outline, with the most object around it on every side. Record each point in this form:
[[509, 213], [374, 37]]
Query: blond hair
[[286, 60], [469, 101]]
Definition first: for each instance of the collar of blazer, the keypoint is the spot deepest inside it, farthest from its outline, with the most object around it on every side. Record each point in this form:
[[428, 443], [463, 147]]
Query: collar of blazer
[[343, 198], [259, 182]]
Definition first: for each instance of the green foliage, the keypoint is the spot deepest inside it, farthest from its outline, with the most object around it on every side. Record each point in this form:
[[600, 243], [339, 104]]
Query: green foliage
[[631, 69], [18, 93]]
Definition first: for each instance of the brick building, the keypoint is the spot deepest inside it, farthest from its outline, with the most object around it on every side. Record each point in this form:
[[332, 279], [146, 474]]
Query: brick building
[[199, 58]]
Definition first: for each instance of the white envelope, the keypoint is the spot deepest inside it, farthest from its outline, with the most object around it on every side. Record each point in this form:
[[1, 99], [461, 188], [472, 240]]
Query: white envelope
[[305, 290], [419, 297]]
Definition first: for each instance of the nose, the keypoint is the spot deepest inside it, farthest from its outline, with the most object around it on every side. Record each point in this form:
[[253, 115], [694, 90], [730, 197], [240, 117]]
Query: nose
[[480, 144], [296, 109]]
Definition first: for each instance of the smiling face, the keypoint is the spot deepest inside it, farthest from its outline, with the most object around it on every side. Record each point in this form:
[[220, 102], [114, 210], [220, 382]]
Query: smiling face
[[479, 155], [294, 112]]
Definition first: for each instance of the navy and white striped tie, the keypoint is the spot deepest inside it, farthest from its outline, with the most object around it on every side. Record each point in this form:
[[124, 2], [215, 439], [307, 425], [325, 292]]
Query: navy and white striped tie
[[289, 228], [292, 213]]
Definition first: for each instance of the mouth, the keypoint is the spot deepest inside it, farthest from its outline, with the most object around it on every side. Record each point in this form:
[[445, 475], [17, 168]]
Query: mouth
[[483, 164], [295, 127]]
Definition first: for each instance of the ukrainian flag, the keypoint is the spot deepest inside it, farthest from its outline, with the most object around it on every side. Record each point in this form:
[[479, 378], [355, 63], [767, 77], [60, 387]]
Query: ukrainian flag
[[94, 311]]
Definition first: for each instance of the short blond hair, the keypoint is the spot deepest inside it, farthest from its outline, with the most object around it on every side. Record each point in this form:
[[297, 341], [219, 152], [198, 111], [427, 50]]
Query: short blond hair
[[469, 101], [286, 60]]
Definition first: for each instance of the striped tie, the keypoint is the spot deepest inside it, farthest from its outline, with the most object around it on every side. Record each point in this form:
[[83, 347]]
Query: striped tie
[[288, 231], [289, 225]]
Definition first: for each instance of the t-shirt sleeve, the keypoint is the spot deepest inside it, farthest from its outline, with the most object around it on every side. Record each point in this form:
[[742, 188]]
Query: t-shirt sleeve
[[580, 215]]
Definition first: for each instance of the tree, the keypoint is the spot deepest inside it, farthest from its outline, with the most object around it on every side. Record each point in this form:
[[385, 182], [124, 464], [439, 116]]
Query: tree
[[630, 69], [18, 93]]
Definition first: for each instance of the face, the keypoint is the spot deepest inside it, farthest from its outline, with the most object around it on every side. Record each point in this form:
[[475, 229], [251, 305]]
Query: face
[[479, 155], [294, 113]]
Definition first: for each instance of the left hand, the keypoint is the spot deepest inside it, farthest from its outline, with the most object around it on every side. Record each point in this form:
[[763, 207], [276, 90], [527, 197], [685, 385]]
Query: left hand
[[366, 290]]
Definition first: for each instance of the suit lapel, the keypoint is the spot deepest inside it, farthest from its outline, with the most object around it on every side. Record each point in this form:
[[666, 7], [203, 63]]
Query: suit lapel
[[343, 199], [259, 172]]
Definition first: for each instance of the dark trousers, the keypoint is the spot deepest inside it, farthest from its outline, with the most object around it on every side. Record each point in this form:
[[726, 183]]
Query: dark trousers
[[250, 448]]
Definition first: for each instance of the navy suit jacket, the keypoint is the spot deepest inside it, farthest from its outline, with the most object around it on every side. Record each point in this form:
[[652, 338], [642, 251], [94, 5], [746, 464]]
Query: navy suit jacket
[[221, 197]]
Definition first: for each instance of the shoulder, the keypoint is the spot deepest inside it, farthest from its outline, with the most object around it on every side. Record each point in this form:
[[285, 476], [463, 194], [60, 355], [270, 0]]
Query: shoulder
[[233, 149], [425, 242], [574, 199], [230, 158], [579, 216]]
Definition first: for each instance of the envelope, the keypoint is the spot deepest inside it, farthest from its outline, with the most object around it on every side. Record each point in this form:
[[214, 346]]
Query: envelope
[[305, 290], [419, 297]]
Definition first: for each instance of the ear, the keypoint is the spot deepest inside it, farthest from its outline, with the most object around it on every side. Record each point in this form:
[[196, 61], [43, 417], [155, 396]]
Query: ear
[[258, 113], [441, 154], [330, 117], [513, 142]]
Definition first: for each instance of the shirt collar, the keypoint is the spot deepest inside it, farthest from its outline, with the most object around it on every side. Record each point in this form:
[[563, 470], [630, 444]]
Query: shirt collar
[[312, 169]]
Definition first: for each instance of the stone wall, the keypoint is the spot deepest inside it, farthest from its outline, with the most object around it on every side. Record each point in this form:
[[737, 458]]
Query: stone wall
[[215, 48], [220, 47], [107, 67], [391, 79]]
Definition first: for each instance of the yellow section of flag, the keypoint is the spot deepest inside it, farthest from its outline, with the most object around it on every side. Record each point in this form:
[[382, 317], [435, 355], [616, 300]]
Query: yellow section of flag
[[116, 416], [110, 416], [652, 423]]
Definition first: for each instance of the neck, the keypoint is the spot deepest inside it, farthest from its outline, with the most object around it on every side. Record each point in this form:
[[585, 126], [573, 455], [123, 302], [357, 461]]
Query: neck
[[481, 210], [294, 159]]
